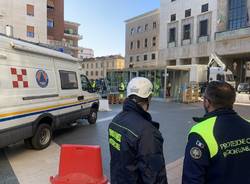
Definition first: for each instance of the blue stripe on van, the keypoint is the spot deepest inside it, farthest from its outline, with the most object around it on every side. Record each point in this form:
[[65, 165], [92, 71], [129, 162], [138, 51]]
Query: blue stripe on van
[[35, 113]]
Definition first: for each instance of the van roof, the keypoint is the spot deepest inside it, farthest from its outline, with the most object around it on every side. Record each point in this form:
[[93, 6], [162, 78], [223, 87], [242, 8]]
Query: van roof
[[36, 48]]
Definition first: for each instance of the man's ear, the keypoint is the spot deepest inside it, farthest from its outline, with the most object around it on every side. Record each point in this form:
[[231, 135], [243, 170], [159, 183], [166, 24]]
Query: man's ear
[[206, 103]]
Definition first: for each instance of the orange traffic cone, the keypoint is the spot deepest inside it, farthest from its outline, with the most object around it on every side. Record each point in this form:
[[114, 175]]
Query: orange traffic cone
[[80, 165]]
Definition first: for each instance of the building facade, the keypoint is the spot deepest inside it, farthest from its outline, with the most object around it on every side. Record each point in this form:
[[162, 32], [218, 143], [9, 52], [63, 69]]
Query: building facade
[[142, 40], [84, 53], [71, 36], [187, 31], [24, 19], [190, 34], [233, 37], [55, 19], [62, 35], [97, 68], [40, 22], [142, 51]]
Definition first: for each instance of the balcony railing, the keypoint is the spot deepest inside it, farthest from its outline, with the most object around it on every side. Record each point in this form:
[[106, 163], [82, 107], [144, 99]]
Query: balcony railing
[[74, 35], [70, 32], [58, 43], [67, 47], [232, 34]]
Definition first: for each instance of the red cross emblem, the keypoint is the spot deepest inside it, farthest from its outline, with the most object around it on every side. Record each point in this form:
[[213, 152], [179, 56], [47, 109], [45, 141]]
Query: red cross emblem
[[19, 78]]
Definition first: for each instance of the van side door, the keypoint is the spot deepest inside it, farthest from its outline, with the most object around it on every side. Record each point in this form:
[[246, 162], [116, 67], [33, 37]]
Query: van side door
[[70, 96]]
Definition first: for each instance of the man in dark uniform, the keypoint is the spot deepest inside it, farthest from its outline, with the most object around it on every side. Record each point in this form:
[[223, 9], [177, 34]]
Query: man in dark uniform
[[218, 148], [136, 145]]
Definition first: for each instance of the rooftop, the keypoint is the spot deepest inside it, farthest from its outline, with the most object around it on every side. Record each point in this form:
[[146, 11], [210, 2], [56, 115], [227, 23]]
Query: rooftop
[[103, 58], [71, 23], [143, 15]]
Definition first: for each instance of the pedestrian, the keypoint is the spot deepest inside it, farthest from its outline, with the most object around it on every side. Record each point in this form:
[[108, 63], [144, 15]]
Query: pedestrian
[[121, 90], [218, 148], [136, 144], [169, 88], [93, 84]]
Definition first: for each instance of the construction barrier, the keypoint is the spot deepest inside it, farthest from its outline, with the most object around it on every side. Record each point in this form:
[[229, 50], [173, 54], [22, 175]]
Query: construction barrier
[[191, 94], [104, 105], [115, 98], [80, 165]]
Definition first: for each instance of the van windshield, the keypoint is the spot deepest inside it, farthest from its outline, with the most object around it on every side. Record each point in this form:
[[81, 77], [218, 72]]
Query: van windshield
[[85, 83]]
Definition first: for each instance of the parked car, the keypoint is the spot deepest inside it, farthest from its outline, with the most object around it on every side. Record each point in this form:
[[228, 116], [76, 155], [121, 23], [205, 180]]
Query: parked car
[[243, 87]]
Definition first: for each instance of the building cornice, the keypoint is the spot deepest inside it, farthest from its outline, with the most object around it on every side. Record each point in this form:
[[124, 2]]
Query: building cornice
[[150, 13], [71, 23]]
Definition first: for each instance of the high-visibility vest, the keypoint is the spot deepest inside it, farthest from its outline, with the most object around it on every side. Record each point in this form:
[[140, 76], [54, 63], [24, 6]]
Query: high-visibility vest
[[205, 130]]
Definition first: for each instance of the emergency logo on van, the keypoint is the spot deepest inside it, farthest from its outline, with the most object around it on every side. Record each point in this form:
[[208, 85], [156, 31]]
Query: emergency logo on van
[[19, 78], [42, 78]]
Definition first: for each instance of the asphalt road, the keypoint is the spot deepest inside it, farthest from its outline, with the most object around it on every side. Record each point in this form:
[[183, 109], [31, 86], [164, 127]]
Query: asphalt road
[[175, 122], [174, 119]]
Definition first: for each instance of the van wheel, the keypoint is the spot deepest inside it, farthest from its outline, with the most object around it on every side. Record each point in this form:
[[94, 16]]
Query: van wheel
[[28, 143], [42, 137], [92, 116]]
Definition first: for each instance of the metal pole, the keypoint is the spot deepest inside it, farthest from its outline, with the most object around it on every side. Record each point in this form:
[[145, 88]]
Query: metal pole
[[165, 83]]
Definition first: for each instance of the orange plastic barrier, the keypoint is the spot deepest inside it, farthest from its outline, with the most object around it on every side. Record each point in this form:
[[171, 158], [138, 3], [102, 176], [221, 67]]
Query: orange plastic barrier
[[80, 165]]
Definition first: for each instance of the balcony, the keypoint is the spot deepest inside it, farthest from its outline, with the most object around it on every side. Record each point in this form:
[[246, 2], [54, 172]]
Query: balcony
[[232, 34], [203, 39], [186, 42], [172, 44], [62, 44], [71, 34], [58, 43]]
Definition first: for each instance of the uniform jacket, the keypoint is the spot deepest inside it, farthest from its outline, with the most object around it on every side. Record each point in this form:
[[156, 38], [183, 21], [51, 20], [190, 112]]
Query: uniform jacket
[[218, 150], [136, 148]]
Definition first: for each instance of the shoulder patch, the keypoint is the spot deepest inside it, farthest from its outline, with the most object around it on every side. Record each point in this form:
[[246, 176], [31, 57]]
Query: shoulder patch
[[200, 144], [196, 153]]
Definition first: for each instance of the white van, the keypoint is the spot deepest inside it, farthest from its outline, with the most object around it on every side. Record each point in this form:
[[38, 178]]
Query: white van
[[40, 90]]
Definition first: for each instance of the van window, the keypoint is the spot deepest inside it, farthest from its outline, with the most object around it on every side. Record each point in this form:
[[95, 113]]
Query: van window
[[85, 83], [68, 80]]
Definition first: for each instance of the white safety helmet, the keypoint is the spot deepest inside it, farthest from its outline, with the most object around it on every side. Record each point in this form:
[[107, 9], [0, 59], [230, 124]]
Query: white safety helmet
[[140, 86]]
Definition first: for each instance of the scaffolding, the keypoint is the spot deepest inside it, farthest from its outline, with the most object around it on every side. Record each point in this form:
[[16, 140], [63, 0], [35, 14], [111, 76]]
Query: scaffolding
[[155, 75]]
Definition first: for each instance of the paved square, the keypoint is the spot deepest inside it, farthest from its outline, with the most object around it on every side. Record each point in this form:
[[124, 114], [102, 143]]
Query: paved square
[[21, 166]]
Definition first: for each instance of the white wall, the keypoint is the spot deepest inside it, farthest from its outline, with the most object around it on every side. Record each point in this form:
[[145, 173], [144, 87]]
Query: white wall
[[85, 53], [178, 7], [13, 12]]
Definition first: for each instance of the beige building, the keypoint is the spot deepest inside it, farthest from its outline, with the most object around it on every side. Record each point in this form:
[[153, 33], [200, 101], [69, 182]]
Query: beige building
[[142, 40], [96, 68], [85, 53], [24, 19], [142, 51]]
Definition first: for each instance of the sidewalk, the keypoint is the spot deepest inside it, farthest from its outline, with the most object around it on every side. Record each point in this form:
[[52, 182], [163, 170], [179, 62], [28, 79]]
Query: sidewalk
[[243, 98], [174, 171]]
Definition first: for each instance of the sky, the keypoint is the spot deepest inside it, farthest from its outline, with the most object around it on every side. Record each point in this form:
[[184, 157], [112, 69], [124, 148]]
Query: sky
[[102, 21]]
